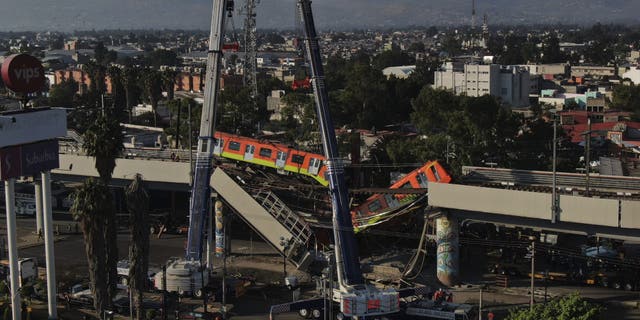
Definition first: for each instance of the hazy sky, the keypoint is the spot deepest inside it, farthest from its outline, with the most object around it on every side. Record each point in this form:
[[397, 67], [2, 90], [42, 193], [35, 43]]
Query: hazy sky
[[68, 15]]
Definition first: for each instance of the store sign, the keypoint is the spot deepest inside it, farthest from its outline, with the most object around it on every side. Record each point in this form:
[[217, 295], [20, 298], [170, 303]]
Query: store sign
[[28, 159], [22, 73]]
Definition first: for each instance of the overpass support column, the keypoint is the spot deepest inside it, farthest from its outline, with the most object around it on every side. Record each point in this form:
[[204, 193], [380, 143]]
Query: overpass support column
[[448, 251]]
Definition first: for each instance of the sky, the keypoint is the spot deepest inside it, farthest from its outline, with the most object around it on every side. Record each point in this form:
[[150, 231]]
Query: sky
[[69, 15]]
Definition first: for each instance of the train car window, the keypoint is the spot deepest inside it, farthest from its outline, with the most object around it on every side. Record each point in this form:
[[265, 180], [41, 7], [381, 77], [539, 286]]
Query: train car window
[[249, 149], [265, 152], [435, 172], [235, 146], [297, 159], [374, 206], [406, 185], [422, 179]]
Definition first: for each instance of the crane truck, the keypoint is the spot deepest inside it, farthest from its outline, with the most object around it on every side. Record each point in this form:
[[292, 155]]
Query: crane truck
[[355, 298], [188, 276]]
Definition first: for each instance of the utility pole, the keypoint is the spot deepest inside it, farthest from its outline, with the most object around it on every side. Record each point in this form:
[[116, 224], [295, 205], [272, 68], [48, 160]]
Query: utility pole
[[554, 192], [587, 156], [480, 306], [533, 263]]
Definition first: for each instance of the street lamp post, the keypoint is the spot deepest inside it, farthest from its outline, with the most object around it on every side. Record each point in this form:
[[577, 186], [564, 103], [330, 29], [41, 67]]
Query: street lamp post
[[285, 247], [533, 263], [587, 160], [554, 192]]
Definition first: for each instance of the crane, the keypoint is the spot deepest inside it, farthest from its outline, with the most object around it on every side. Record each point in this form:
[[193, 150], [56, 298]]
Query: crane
[[187, 276], [356, 298], [250, 47], [200, 191]]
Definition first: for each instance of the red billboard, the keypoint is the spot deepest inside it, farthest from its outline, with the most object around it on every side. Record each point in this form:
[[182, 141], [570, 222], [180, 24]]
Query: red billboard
[[28, 159], [22, 73]]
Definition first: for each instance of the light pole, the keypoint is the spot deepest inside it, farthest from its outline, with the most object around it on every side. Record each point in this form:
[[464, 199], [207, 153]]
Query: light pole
[[587, 150], [533, 263], [554, 192], [285, 247]]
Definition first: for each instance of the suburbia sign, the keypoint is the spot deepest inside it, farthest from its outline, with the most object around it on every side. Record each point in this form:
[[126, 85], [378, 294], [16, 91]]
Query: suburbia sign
[[22, 73], [28, 159]]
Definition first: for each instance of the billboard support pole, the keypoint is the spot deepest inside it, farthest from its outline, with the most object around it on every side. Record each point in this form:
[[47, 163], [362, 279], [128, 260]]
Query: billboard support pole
[[9, 189], [48, 245], [38, 197]]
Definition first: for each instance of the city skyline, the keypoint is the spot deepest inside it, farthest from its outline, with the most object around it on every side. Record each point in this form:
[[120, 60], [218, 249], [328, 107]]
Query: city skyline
[[70, 15]]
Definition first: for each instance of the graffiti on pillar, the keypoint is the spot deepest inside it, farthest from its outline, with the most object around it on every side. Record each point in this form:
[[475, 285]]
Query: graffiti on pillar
[[447, 249], [220, 236]]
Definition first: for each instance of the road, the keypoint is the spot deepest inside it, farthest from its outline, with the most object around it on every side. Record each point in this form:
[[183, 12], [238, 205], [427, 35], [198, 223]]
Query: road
[[259, 259]]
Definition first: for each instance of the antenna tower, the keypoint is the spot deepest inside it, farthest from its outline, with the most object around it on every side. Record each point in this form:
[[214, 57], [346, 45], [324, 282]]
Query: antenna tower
[[250, 47], [473, 14]]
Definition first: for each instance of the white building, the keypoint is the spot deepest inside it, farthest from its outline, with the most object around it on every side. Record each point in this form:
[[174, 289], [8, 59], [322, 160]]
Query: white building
[[509, 83], [400, 72], [633, 74]]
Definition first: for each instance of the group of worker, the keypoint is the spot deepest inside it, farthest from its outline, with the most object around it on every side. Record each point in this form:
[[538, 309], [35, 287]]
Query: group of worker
[[442, 296]]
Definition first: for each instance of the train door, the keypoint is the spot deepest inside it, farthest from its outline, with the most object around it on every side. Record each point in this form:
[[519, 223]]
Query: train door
[[217, 149], [314, 166], [423, 182], [281, 159], [248, 152]]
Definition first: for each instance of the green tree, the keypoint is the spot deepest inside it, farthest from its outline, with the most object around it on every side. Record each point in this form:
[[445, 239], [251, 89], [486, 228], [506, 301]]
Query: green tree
[[551, 50], [138, 205], [627, 98], [62, 94], [103, 140], [152, 84], [571, 307], [118, 92], [169, 82], [299, 117], [97, 74], [130, 79], [393, 57], [161, 57], [92, 201], [452, 44]]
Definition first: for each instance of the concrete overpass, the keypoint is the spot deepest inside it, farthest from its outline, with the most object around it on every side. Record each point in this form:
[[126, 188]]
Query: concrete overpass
[[615, 218], [612, 217]]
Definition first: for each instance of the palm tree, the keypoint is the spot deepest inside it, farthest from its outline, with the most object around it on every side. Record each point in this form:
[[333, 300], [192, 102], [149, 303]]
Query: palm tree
[[169, 81], [138, 204], [92, 201], [130, 80], [117, 89], [152, 83], [97, 75], [103, 140]]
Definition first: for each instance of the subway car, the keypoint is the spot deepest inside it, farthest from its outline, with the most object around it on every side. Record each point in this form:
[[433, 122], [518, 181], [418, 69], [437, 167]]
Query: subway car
[[270, 154], [381, 207]]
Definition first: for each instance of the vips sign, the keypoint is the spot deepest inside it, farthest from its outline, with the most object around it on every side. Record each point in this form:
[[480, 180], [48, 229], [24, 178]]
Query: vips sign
[[28, 159], [22, 73]]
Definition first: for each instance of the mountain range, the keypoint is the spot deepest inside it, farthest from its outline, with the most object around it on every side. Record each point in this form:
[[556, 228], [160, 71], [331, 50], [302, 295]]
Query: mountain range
[[68, 15]]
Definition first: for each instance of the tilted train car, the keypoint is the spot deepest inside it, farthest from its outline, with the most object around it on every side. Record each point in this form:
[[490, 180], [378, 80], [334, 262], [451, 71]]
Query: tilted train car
[[381, 207], [270, 154], [376, 209]]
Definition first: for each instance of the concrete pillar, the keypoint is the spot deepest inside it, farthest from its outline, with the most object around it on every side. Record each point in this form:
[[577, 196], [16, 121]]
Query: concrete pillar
[[221, 245], [12, 240], [38, 196], [48, 245], [448, 251], [210, 237]]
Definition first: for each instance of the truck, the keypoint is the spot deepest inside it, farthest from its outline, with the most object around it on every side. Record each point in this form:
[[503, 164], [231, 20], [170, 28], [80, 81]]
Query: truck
[[27, 269], [429, 309]]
